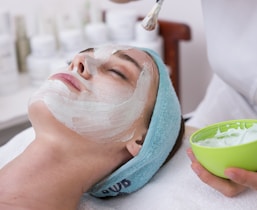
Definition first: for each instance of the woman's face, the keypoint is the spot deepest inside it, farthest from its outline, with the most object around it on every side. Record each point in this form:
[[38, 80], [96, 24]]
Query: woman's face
[[105, 94]]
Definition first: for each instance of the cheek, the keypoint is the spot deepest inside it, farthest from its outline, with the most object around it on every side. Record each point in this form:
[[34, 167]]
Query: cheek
[[111, 92]]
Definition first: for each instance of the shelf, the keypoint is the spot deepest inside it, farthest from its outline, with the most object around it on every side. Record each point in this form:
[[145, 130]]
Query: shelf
[[13, 107]]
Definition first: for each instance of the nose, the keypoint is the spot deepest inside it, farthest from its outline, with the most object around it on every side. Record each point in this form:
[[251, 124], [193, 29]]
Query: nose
[[78, 63]]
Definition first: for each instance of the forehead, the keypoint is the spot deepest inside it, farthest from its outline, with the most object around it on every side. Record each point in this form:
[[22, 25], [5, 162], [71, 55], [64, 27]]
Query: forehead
[[140, 56], [133, 54]]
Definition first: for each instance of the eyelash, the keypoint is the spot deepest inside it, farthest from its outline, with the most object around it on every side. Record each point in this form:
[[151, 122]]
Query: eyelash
[[118, 73], [112, 70]]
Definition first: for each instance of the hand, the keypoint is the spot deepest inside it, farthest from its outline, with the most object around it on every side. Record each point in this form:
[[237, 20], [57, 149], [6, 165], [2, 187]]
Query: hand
[[122, 1], [239, 179]]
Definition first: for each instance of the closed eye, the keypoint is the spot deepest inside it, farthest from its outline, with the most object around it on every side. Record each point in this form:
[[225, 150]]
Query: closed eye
[[117, 72]]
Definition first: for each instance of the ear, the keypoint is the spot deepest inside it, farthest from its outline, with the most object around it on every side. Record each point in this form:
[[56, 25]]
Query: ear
[[134, 147]]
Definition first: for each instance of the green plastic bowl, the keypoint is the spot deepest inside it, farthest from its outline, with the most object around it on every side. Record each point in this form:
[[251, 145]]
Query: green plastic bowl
[[217, 159]]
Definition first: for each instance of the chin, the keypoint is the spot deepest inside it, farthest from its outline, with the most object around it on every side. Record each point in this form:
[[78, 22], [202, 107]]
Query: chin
[[39, 113]]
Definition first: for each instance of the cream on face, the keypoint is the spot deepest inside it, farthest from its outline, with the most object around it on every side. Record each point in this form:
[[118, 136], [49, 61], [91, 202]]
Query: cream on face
[[104, 111]]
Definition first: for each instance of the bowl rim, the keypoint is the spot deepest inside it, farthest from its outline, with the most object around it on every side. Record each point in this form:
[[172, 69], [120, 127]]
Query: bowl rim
[[254, 121]]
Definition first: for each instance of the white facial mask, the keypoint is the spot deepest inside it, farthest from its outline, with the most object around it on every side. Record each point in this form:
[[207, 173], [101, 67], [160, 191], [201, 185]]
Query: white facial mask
[[95, 117]]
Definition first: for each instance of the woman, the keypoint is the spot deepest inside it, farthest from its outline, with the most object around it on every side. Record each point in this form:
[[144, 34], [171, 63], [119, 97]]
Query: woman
[[112, 111]]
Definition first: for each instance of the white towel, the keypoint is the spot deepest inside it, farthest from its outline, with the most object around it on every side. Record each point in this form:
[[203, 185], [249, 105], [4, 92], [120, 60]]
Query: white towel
[[16, 146], [175, 186]]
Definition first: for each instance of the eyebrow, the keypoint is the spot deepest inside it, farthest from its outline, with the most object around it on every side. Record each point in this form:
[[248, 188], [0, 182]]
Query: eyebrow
[[119, 54], [127, 57], [91, 49]]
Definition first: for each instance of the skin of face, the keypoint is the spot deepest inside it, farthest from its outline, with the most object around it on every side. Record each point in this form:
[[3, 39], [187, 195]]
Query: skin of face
[[110, 82]]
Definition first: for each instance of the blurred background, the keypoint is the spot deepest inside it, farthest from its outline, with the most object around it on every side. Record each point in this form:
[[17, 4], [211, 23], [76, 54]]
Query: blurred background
[[39, 36]]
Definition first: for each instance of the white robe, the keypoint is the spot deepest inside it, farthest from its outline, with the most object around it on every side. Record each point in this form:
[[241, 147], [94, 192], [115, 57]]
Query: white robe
[[231, 35]]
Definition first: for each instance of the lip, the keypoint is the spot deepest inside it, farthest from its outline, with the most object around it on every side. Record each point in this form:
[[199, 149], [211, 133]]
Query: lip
[[69, 80]]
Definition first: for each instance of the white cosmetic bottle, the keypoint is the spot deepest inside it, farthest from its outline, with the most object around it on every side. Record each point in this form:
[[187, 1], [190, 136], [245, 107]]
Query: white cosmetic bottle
[[70, 33], [43, 51], [9, 82], [96, 31]]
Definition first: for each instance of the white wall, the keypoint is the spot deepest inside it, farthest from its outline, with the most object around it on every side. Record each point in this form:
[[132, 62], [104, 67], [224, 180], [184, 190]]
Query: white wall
[[195, 71]]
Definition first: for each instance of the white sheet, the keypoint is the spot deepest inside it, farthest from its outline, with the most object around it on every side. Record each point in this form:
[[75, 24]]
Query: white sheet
[[175, 187]]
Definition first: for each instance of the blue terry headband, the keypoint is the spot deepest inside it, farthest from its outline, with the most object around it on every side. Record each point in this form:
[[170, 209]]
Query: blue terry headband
[[161, 136]]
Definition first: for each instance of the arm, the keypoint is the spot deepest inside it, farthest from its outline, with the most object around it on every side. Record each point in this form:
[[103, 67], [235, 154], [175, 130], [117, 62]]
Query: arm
[[239, 181]]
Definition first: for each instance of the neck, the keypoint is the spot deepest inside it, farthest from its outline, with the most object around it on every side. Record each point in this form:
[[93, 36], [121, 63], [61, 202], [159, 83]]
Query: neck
[[56, 171]]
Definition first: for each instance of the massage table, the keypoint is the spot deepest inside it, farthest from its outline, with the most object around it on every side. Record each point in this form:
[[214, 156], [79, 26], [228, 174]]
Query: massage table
[[174, 187]]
